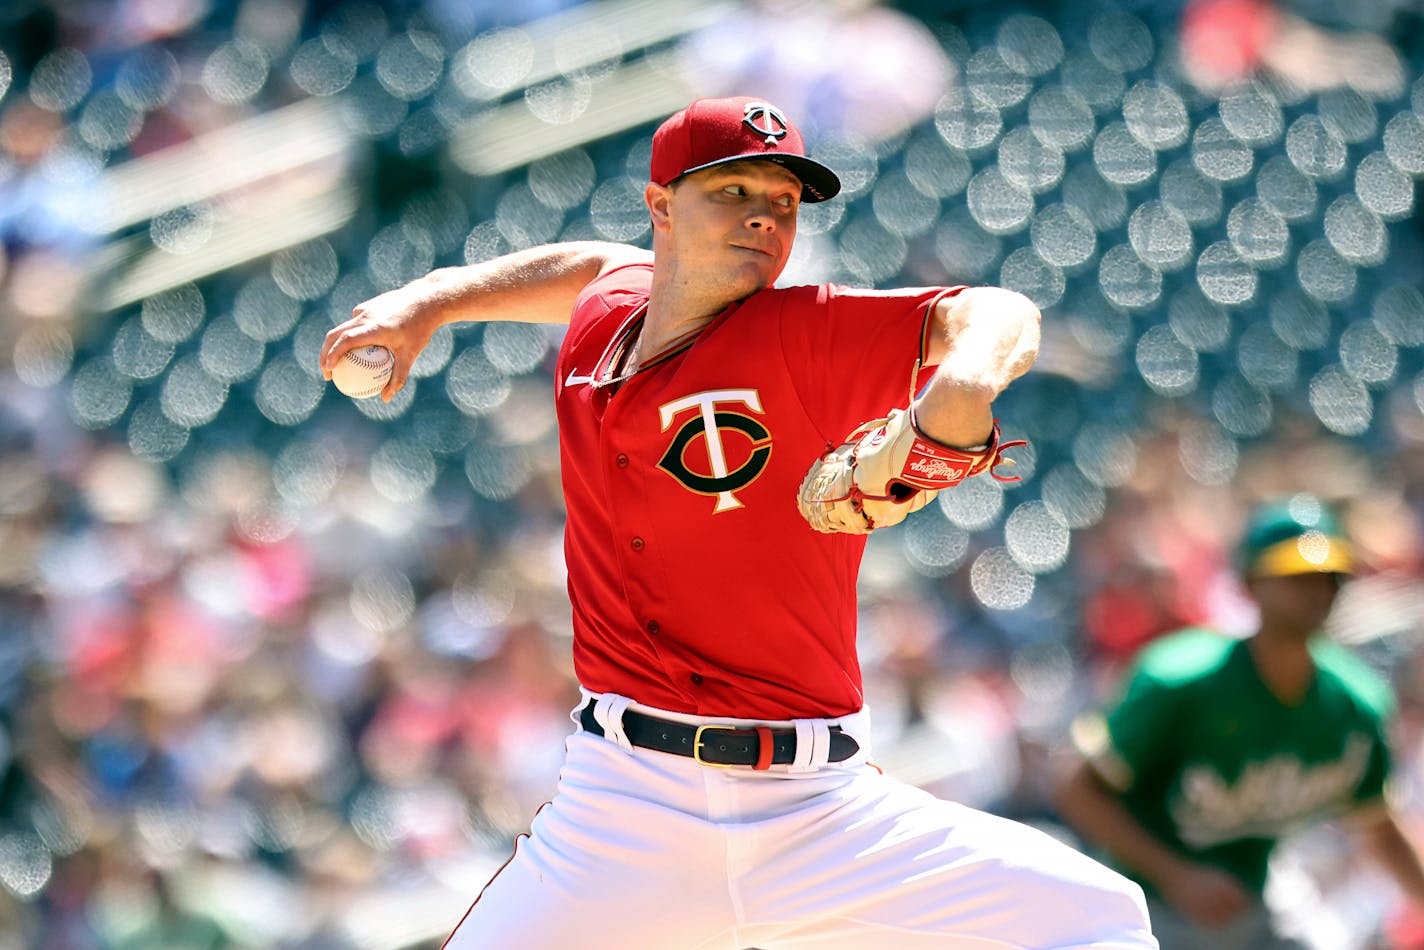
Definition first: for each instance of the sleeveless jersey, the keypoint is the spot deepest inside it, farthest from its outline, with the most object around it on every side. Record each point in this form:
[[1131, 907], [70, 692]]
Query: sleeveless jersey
[[695, 584], [1208, 759]]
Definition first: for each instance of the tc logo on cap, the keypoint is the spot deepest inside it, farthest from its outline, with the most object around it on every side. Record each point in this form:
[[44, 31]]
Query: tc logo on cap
[[737, 128], [773, 122]]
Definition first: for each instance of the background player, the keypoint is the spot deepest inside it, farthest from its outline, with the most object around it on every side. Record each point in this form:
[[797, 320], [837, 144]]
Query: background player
[[691, 399], [1220, 746]]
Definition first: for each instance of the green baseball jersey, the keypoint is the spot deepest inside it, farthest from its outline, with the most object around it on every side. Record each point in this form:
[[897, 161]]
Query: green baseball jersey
[[1207, 758]]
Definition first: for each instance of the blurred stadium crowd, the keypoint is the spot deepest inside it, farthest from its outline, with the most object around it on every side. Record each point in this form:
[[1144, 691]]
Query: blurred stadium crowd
[[283, 669]]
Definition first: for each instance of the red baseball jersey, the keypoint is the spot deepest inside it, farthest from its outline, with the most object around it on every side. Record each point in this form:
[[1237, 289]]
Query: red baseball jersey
[[696, 586]]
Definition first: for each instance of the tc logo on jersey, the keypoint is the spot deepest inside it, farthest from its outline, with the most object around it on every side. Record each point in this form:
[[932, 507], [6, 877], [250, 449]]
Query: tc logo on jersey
[[714, 426]]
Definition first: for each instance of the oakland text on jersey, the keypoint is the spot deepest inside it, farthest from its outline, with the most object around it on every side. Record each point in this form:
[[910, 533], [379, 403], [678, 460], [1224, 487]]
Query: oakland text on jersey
[[1268, 798]]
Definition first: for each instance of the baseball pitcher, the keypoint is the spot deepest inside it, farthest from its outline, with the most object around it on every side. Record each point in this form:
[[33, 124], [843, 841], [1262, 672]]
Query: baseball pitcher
[[726, 447]]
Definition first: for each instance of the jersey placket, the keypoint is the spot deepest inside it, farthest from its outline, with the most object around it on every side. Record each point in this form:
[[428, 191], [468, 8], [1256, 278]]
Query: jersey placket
[[623, 459]]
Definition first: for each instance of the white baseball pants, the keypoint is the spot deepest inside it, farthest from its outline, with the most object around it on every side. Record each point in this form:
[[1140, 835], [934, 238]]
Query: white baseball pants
[[652, 851]]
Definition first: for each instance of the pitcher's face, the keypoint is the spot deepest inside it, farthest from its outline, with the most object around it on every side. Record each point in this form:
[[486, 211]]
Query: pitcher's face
[[733, 223]]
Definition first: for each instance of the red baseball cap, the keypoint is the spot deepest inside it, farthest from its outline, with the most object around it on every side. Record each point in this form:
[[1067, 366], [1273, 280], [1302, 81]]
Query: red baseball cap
[[716, 131]]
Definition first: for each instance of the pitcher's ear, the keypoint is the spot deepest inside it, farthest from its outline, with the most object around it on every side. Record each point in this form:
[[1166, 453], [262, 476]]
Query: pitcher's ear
[[658, 198]]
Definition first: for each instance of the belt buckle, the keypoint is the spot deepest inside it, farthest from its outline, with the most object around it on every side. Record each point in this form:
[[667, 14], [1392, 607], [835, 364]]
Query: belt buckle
[[697, 745]]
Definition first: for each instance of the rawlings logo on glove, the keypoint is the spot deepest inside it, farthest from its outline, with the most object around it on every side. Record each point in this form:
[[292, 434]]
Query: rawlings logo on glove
[[885, 470], [932, 471], [936, 469]]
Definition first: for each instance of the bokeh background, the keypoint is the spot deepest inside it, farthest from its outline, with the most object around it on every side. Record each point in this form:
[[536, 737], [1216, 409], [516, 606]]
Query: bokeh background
[[283, 669]]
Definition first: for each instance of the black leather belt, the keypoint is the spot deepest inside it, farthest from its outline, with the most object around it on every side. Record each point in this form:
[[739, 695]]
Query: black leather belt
[[718, 745]]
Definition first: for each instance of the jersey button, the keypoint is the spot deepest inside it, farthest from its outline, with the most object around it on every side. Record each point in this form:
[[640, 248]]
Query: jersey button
[[696, 679], [622, 460], [637, 544], [654, 627]]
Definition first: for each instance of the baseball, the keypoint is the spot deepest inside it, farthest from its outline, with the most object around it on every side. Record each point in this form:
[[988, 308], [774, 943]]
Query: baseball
[[363, 372]]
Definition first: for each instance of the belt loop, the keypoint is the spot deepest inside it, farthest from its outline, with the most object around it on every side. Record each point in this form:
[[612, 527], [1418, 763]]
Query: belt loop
[[813, 745], [608, 712], [766, 746]]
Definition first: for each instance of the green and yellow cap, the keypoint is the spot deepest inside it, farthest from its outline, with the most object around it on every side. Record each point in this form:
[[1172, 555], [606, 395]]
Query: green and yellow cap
[[1297, 535]]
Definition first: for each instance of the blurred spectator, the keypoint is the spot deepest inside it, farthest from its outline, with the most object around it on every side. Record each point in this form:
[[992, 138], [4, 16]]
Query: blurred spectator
[[1225, 42]]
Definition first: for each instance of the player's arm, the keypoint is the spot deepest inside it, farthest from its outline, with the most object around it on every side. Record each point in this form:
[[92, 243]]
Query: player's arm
[[1386, 842], [983, 339], [537, 285], [1091, 808], [1201, 893]]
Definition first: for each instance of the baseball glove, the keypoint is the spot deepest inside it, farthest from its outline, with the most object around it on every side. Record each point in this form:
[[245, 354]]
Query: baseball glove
[[885, 470]]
